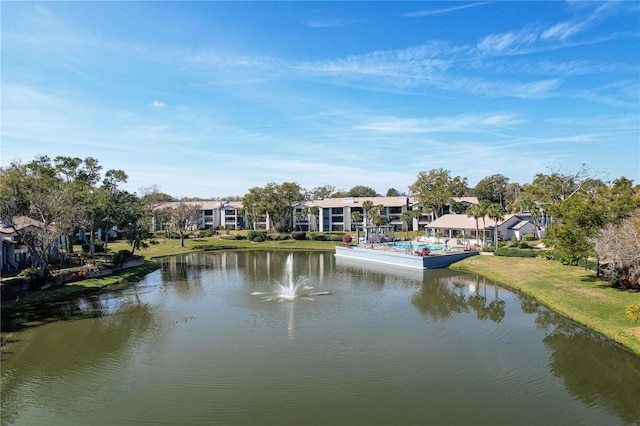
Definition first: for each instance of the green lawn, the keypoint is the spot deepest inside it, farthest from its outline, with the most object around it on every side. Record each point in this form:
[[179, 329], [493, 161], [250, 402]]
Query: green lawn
[[568, 290], [169, 247]]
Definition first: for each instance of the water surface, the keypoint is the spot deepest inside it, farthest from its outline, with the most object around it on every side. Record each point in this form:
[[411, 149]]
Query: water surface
[[190, 344]]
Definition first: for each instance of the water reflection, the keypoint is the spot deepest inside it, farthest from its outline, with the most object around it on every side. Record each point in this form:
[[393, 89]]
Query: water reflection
[[591, 368], [82, 337], [444, 294], [190, 345]]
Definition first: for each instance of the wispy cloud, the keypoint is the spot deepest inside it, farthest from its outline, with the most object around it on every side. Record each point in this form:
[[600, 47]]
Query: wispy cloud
[[461, 123], [157, 104], [431, 12]]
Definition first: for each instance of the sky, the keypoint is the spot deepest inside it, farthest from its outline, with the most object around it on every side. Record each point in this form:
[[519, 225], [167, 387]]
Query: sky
[[208, 99]]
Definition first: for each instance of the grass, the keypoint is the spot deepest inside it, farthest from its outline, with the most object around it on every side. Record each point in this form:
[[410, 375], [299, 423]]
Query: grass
[[170, 247], [568, 290]]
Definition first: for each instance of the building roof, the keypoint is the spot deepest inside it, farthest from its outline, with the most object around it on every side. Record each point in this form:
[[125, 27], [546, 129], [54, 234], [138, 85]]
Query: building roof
[[357, 201], [205, 205], [19, 223], [462, 221]]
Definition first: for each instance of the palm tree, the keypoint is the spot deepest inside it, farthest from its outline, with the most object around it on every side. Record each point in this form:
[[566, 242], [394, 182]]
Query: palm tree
[[475, 211], [495, 212], [482, 207], [297, 216], [367, 206], [407, 216], [356, 217], [311, 211]]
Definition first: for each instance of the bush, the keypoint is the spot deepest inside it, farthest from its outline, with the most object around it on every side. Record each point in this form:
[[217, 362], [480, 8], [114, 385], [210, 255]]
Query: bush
[[488, 249], [232, 237], [528, 237], [523, 245], [121, 257], [514, 252], [206, 233], [346, 238], [256, 236], [633, 312], [317, 236], [278, 237], [299, 235]]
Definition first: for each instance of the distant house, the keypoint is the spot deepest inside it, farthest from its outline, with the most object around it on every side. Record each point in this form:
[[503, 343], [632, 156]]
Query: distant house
[[427, 217], [15, 254], [452, 225], [335, 213]]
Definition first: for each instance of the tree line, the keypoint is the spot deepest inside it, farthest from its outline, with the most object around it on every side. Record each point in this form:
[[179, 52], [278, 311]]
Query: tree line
[[590, 218]]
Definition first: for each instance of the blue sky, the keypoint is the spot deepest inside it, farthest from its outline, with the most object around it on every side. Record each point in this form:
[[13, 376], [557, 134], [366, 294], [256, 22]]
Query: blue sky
[[209, 99]]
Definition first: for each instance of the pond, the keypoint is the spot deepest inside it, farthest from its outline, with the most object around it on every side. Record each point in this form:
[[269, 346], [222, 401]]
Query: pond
[[200, 341]]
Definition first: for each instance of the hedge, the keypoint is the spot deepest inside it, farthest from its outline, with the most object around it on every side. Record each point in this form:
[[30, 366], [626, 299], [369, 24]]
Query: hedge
[[514, 252]]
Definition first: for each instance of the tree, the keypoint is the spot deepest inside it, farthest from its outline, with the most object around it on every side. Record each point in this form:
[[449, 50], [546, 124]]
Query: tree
[[367, 205], [392, 192], [362, 191], [377, 218], [576, 221], [322, 192], [494, 211], [151, 197], [407, 217], [312, 212], [434, 189], [619, 245], [493, 189], [475, 211], [80, 178], [356, 217], [110, 197], [32, 191], [183, 216], [275, 201], [558, 186]]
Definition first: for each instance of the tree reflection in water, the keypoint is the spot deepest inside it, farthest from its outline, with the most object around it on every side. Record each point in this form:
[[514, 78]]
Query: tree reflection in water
[[440, 298], [591, 369]]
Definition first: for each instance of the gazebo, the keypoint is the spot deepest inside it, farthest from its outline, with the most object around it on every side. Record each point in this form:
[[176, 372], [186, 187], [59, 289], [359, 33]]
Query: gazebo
[[373, 233]]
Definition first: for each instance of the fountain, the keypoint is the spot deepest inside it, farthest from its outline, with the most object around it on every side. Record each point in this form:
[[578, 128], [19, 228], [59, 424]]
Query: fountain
[[288, 291]]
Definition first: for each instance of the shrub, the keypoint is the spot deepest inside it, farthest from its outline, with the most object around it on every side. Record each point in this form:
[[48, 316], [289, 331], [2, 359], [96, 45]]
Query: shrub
[[633, 312], [346, 238], [514, 252], [523, 245], [206, 233], [232, 237], [528, 237], [317, 236], [278, 237], [121, 257], [256, 236], [488, 249], [299, 235]]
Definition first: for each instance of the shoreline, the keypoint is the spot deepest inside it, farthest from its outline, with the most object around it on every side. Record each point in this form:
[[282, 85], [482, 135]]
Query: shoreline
[[569, 291]]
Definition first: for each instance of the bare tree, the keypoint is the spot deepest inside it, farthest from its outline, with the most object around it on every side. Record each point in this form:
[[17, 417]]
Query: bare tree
[[184, 217], [619, 246]]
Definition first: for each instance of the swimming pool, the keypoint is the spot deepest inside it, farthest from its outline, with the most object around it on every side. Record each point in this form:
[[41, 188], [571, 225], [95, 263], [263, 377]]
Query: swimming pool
[[410, 246]]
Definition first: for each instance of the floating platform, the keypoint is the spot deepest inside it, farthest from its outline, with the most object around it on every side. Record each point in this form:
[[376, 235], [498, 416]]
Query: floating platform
[[404, 260]]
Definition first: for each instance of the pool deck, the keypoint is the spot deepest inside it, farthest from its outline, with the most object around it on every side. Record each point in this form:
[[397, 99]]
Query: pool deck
[[405, 258]]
